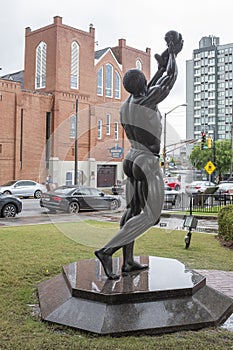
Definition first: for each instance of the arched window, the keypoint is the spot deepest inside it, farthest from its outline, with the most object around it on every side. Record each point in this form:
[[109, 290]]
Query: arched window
[[74, 76], [40, 79], [109, 79], [100, 82], [117, 85], [139, 64]]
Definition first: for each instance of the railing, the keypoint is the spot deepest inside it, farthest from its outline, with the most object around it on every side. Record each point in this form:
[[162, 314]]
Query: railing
[[205, 203]]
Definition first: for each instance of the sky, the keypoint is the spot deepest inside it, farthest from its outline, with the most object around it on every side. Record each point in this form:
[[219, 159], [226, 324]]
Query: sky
[[142, 23]]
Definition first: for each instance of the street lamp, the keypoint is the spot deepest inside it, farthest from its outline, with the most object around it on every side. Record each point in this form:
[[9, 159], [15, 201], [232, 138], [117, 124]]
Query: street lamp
[[165, 134]]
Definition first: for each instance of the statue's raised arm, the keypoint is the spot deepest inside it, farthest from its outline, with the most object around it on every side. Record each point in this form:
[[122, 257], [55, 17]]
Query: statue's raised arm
[[164, 79]]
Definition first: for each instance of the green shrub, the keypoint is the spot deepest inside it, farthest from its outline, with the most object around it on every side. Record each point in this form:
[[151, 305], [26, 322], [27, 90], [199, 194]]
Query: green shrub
[[225, 223]]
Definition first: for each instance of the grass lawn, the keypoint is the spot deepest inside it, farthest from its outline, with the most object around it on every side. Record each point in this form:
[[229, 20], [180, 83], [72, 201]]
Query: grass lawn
[[31, 254]]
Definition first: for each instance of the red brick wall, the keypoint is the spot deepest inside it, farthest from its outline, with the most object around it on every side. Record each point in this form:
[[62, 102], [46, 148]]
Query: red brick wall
[[60, 101], [9, 92], [59, 38]]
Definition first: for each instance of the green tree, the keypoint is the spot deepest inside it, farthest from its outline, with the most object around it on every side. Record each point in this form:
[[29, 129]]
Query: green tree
[[223, 156], [220, 155]]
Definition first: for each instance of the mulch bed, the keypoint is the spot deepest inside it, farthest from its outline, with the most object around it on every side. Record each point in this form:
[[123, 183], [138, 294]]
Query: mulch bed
[[227, 244]]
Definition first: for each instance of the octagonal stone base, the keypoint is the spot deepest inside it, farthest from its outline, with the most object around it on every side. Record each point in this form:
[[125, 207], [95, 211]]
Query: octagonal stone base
[[166, 297]]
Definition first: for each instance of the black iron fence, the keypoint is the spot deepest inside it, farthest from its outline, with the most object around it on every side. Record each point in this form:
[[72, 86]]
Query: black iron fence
[[200, 202]]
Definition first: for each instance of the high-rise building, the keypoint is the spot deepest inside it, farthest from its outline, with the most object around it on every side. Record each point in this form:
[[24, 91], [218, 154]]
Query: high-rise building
[[209, 80]]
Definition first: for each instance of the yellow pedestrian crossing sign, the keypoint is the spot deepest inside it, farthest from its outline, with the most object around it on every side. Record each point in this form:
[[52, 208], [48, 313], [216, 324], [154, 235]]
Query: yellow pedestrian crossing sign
[[210, 167]]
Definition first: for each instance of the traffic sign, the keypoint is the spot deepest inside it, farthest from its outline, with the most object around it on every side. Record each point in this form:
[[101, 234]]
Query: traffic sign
[[210, 167]]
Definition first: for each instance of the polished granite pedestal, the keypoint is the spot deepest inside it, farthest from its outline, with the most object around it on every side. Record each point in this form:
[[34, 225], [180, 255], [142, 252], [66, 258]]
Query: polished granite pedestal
[[167, 297]]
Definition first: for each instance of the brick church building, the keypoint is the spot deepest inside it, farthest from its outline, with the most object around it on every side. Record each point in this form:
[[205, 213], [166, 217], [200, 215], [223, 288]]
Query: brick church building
[[61, 112]]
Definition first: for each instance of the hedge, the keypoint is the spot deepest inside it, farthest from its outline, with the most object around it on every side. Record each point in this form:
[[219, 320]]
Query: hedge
[[225, 223]]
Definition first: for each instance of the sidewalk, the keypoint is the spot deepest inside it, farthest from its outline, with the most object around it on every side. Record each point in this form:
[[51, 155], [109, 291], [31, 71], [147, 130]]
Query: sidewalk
[[219, 280], [168, 220]]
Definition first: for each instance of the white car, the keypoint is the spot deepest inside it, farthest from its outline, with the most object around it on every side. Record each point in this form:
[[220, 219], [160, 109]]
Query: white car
[[171, 196], [23, 188], [198, 186], [224, 192]]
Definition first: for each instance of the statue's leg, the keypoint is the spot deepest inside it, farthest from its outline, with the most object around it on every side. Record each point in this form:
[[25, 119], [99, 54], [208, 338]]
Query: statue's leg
[[105, 257], [129, 264]]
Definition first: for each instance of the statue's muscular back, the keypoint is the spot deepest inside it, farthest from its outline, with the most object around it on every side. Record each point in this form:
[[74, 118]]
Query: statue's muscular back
[[142, 124]]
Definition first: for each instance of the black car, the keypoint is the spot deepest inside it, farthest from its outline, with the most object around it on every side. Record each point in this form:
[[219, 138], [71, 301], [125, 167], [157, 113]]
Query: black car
[[9, 206], [72, 199], [117, 189]]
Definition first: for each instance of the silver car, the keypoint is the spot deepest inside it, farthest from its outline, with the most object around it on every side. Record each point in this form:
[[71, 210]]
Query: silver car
[[23, 188], [198, 187]]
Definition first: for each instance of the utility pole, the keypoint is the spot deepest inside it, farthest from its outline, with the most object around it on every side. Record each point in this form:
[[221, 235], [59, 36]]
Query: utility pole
[[76, 145]]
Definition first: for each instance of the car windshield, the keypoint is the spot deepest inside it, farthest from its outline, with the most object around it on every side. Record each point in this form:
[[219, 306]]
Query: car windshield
[[9, 183], [172, 179]]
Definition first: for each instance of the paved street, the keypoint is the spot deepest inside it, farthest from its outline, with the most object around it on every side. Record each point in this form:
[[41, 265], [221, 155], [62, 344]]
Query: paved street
[[32, 213]]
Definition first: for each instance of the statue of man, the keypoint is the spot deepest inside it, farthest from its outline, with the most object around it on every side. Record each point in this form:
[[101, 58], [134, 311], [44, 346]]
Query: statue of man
[[141, 121]]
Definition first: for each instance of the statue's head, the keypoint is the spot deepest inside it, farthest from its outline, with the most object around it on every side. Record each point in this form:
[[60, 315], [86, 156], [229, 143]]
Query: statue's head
[[134, 82]]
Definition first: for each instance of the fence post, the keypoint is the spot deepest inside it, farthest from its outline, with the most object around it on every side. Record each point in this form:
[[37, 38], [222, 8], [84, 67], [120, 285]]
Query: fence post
[[190, 205]]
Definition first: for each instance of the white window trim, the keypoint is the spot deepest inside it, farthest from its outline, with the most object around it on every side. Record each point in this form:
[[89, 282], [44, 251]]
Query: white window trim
[[117, 88], [40, 73], [99, 129], [74, 66], [108, 124], [138, 64], [116, 131], [109, 88], [100, 87]]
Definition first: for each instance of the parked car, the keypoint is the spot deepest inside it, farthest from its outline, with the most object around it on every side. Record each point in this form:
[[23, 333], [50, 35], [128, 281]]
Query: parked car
[[173, 182], [224, 191], [9, 206], [72, 199], [230, 179], [198, 187], [171, 196], [118, 189], [23, 188]]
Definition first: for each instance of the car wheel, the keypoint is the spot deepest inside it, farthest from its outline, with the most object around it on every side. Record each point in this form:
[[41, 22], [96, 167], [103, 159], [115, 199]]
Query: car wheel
[[37, 194], [73, 208], [9, 211], [177, 188], [114, 205], [7, 192]]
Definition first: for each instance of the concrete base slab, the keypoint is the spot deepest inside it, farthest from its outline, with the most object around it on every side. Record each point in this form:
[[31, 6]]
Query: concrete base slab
[[167, 297]]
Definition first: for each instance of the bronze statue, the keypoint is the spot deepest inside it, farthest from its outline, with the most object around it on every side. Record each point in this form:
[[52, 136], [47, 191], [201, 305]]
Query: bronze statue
[[141, 121]]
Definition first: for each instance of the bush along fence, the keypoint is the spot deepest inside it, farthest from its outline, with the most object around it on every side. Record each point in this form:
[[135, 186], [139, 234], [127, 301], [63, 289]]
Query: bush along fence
[[225, 223]]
